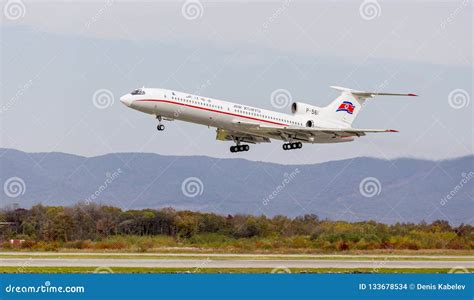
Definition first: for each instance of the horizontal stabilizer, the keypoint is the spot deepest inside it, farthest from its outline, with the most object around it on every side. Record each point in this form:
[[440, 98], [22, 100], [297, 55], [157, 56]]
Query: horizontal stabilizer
[[369, 94]]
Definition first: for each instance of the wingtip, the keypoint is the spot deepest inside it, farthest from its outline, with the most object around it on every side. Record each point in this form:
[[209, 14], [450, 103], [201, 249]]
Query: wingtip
[[391, 130], [413, 95]]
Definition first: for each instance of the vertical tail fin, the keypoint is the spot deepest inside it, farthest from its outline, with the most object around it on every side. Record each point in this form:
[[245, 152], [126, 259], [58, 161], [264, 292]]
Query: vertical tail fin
[[345, 108]]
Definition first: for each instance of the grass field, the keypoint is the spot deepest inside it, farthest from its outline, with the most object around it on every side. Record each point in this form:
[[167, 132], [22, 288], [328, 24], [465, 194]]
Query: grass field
[[229, 256], [82, 270], [230, 250]]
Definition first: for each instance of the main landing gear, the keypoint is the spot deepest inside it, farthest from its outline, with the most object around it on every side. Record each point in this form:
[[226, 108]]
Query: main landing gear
[[160, 126], [292, 146], [239, 148]]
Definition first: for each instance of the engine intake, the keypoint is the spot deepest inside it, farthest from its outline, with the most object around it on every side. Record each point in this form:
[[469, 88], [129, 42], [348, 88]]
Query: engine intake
[[299, 108]]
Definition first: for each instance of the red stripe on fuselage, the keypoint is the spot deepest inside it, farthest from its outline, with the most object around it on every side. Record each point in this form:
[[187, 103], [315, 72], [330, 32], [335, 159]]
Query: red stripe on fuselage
[[213, 110]]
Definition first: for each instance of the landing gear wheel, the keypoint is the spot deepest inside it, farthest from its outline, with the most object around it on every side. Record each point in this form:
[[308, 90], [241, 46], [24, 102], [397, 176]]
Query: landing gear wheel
[[160, 127], [291, 146], [239, 148]]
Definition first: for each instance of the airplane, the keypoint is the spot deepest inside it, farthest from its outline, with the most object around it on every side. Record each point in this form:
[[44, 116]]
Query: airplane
[[244, 124]]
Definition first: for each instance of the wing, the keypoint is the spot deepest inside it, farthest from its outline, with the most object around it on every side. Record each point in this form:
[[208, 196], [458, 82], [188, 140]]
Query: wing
[[310, 134], [230, 135]]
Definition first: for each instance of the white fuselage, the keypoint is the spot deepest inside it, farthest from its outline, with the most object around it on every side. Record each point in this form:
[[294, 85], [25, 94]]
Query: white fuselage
[[203, 110], [175, 105]]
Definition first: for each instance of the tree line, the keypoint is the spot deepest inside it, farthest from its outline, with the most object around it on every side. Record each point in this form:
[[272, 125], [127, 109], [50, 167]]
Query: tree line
[[105, 227]]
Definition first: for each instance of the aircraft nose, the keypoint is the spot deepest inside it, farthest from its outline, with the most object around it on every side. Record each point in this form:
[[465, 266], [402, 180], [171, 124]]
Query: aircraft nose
[[126, 99]]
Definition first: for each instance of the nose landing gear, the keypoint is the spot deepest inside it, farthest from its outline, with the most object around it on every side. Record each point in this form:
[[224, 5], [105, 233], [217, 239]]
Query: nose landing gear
[[160, 127]]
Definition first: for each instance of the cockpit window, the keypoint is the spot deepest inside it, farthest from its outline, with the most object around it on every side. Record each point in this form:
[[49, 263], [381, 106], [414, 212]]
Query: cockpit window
[[138, 92]]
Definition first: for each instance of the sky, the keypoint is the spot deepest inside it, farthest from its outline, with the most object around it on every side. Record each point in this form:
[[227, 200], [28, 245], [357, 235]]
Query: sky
[[66, 64]]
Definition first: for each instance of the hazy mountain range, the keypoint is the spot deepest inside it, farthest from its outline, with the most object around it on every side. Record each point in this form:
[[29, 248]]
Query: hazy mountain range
[[399, 190]]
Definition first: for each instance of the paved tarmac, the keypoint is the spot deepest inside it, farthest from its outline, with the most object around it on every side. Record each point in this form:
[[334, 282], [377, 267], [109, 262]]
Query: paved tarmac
[[177, 262]]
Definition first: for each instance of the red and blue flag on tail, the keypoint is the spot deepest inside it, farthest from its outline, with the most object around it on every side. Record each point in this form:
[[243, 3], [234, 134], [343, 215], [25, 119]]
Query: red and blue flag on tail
[[347, 107]]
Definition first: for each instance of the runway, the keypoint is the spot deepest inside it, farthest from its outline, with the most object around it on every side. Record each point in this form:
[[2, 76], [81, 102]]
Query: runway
[[233, 263]]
